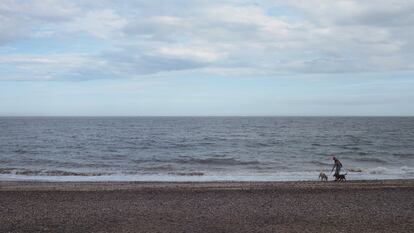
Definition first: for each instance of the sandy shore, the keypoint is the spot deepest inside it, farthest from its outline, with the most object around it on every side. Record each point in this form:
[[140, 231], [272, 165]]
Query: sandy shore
[[357, 206]]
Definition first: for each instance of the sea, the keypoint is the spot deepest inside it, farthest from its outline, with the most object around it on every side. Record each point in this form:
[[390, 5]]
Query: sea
[[204, 148]]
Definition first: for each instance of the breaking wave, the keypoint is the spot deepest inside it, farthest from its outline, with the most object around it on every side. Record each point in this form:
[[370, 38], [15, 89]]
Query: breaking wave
[[370, 159], [27, 172], [220, 161]]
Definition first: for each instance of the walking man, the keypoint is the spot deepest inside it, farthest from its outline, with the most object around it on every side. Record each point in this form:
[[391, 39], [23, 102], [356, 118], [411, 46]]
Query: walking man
[[337, 166]]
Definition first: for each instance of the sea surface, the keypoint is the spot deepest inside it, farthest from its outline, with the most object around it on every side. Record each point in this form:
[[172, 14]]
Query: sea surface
[[204, 148]]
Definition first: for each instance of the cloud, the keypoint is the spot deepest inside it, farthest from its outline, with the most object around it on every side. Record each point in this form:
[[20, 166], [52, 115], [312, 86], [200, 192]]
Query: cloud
[[19, 19], [129, 64], [102, 24], [42, 67], [349, 12], [190, 53], [152, 37]]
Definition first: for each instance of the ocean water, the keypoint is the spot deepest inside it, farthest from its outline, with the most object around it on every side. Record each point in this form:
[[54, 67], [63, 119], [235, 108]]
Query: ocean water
[[204, 148]]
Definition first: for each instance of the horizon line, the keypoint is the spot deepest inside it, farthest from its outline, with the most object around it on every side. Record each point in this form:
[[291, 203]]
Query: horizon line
[[103, 116]]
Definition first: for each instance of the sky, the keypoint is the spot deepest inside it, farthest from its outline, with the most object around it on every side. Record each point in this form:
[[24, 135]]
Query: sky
[[206, 58]]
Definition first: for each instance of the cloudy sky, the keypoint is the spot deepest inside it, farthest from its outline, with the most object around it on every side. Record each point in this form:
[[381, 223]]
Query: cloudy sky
[[189, 57]]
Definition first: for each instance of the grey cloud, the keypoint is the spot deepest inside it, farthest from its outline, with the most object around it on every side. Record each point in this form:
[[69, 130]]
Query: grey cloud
[[159, 29], [19, 18], [149, 37], [47, 11], [380, 14], [128, 62]]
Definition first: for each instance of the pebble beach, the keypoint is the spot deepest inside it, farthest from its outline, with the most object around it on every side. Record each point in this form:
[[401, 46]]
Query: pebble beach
[[353, 206]]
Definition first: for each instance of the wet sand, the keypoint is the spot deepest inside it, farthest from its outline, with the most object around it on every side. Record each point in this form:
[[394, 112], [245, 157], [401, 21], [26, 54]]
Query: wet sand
[[356, 206]]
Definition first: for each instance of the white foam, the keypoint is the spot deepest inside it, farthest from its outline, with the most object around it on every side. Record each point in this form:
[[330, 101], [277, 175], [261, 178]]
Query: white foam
[[378, 170], [369, 174]]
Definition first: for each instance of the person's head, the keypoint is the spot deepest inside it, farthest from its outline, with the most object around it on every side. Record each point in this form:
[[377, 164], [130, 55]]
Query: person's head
[[334, 158]]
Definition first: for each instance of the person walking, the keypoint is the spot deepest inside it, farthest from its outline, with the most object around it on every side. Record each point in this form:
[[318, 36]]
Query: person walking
[[337, 166]]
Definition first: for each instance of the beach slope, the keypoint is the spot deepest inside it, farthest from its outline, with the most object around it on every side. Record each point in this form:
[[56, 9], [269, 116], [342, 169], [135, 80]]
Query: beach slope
[[357, 206]]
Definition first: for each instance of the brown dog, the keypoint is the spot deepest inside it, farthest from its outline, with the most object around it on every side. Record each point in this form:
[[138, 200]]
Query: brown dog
[[323, 176]]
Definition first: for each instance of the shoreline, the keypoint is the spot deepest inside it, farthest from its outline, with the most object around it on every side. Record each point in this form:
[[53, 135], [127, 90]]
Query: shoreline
[[30, 185], [201, 177], [292, 206]]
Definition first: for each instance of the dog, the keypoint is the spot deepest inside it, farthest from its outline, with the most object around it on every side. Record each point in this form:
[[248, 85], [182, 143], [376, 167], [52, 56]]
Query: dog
[[339, 177], [323, 176]]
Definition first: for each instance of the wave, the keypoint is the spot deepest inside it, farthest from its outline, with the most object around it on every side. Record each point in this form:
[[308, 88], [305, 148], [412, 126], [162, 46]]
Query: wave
[[20, 151], [317, 162], [384, 170], [28, 172], [187, 173], [402, 155], [370, 159], [350, 147], [167, 167], [6, 170], [408, 170], [259, 144], [316, 144], [378, 170], [194, 176], [267, 167], [220, 161]]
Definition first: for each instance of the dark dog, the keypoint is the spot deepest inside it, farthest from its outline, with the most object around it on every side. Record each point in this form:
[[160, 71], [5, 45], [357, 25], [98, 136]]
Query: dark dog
[[339, 177]]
